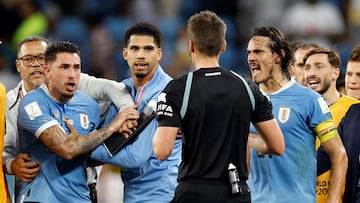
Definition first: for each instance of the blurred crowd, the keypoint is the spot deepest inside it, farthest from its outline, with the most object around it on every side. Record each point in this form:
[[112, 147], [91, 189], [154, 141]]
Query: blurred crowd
[[97, 26]]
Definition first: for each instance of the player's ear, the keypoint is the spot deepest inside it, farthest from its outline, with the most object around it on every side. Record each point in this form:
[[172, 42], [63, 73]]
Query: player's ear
[[191, 46], [223, 47]]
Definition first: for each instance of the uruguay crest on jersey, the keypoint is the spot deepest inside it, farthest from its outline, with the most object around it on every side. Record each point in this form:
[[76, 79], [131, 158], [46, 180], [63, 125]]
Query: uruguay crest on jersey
[[284, 114], [84, 121]]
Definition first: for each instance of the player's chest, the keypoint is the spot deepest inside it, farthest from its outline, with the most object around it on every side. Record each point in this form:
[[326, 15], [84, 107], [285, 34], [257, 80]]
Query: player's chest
[[79, 118]]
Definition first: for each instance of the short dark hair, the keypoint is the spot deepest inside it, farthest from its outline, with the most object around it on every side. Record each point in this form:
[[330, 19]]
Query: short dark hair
[[59, 47], [333, 56], [278, 44], [34, 38], [355, 54], [207, 31], [143, 29], [303, 45]]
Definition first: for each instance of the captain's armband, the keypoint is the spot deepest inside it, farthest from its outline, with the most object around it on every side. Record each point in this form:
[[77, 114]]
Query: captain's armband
[[326, 130]]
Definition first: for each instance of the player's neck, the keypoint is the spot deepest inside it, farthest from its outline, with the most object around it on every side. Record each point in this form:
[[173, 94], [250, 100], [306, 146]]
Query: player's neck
[[29, 87], [141, 81], [274, 83], [202, 61], [331, 96]]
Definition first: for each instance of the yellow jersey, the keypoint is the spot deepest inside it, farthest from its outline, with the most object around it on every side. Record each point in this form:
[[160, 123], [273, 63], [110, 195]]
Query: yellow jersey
[[3, 195], [338, 111]]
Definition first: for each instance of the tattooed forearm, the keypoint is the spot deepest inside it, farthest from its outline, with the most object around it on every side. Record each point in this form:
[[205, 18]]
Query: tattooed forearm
[[52, 136], [72, 145], [91, 141]]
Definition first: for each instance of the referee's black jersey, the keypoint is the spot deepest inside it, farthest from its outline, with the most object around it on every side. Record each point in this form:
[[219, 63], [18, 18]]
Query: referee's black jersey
[[216, 124]]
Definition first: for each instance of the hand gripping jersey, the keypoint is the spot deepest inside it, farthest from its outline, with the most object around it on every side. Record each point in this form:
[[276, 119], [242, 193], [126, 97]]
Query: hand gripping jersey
[[59, 180], [146, 178]]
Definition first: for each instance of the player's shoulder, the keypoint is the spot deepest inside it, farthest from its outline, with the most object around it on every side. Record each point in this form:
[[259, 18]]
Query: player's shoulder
[[35, 94], [83, 97], [305, 91], [354, 107], [177, 82]]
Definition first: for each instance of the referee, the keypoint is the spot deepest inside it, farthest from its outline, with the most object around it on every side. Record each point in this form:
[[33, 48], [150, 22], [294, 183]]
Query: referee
[[212, 108]]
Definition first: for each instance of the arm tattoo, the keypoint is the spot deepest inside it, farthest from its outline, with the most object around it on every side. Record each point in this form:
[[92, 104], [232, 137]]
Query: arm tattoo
[[70, 146]]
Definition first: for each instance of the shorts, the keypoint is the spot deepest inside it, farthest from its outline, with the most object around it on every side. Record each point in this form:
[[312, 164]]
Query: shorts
[[190, 191]]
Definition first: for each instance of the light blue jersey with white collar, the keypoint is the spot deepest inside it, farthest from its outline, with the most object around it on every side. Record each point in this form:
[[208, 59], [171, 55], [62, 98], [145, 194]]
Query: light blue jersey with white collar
[[59, 180], [292, 176]]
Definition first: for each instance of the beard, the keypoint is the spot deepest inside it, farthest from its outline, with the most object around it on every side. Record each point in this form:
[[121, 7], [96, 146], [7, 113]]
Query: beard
[[326, 86], [66, 97], [141, 75]]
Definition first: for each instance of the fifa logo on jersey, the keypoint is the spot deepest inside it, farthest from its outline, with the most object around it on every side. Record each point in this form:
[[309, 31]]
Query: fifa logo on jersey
[[162, 97], [284, 114], [84, 121], [162, 107]]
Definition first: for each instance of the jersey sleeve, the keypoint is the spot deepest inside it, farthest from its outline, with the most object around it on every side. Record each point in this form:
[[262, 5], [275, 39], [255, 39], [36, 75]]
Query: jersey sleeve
[[102, 89], [34, 115], [321, 120], [263, 106], [169, 104], [134, 155], [11, 139]]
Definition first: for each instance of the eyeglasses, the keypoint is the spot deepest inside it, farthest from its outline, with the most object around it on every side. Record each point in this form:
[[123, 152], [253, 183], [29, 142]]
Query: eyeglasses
[[28, 60]]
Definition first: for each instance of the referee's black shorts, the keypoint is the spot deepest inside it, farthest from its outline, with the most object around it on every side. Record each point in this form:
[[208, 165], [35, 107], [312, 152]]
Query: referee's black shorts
[[191, 191]]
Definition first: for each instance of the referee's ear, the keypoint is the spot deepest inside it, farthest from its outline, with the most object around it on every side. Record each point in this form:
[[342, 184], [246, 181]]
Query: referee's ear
[[223, 47], [191, 46]]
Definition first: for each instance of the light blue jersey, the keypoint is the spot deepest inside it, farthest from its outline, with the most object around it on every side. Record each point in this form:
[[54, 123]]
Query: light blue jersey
[[292, 176], [146, 178], [59, 180]]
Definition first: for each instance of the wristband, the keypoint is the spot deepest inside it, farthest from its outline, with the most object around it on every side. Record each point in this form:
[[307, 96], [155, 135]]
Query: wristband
[[7, 164]]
